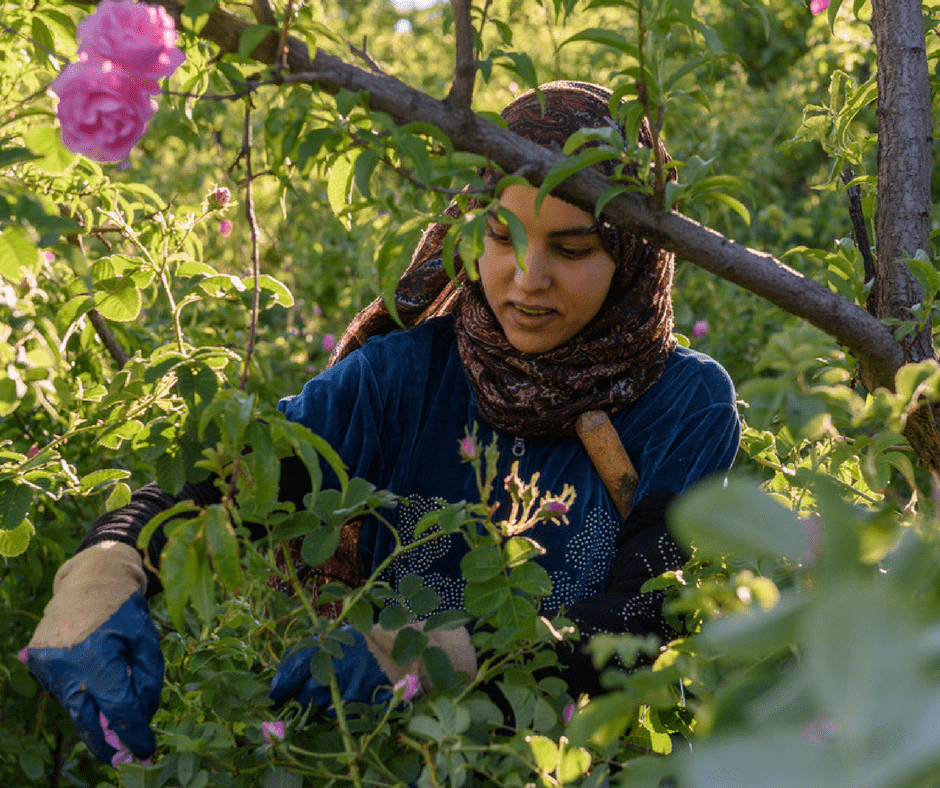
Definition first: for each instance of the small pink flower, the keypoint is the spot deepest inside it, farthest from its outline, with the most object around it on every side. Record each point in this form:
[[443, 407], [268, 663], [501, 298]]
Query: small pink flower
[[225, 228], [23, 655], [219, 198], [818, 6], [317, 310], [700, 329], [49, 256], [139, 39], [103, 114], [568, 713], [467, 450], [556, 507], [32, 451], [408, 686], [329, 342], [273, 731]]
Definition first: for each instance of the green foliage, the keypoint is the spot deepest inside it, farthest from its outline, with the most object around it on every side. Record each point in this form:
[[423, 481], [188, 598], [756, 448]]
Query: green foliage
[[131, 349]]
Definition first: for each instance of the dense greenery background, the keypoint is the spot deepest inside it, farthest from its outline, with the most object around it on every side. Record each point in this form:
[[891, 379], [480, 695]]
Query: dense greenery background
[[812, 596]]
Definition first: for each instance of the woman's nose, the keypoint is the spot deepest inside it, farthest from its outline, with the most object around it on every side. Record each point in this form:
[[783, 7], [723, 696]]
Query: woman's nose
[[537, 273]]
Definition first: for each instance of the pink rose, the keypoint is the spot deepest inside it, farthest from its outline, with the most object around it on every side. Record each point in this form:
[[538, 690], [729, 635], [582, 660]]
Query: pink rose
[[103, 114], [818, 6], [138, 38], [219, 198], [700, 329], [273, 731], [225, 228], [329, 342], [568, 713], [408, 686], [467, 449], [23, 655], [556, 507]]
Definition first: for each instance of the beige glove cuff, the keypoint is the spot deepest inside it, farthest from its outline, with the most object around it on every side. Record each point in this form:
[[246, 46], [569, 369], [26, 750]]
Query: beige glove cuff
[[455, 643], [88, 589]]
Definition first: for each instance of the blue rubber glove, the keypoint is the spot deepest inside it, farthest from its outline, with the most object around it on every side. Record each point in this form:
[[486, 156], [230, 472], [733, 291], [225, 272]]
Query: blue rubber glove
[[358, 674], [116, 668]]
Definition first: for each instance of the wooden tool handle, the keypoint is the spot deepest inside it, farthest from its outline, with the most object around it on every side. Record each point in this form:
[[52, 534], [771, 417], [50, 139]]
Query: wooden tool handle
[[610, 458]]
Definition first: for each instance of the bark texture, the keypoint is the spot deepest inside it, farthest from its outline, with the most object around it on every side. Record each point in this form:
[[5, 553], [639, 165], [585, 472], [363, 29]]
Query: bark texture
[[902, 217]]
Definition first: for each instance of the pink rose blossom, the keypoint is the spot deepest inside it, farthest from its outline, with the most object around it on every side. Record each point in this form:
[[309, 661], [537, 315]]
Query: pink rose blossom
[[818, 6], [225, 228], [103, 114], [273, 731], [408, 686], [568, 713], [138, 38], [467, 450], [23, 655], [329, 342], [219, 197], [49, 256], [556, 507], [700, 329]]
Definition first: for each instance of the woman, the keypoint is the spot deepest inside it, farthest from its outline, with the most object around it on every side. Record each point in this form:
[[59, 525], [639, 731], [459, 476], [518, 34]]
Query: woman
[[585, 325]]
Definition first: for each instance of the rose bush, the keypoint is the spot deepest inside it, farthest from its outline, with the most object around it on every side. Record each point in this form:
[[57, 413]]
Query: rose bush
[[103, 113]]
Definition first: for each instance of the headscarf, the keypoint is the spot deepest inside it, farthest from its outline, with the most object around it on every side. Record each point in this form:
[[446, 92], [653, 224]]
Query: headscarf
[[609, 364]]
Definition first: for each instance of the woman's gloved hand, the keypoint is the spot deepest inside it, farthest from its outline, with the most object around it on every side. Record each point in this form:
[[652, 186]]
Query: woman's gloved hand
[[97, 651], [358, 674], [366, 672]]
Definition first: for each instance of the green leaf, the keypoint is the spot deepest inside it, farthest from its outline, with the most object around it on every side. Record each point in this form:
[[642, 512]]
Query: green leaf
[[569, 166], [122, 304], [532, 579], [13, 542], [339, 185], [17, 251], [15, 500], [223, 549], [320, 544], [483, 599], [408, 645], [736, 519], [250, 38], [45, 142], [282, 296], [482, 564]]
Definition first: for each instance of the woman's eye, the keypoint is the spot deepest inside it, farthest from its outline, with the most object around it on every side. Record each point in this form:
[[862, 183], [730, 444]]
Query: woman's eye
[[574, 252]]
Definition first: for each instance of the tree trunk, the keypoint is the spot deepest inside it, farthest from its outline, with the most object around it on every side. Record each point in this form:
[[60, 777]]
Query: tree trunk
[[902, 216]]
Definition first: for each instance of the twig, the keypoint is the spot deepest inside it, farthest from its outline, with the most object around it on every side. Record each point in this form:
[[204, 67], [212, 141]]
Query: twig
[[460, 96], [364, 55], [255, 254], [107, 338], [282, 44], [860, 231]]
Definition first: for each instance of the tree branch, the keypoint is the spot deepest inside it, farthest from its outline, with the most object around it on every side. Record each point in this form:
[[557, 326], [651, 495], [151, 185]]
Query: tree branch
[[465, 66]]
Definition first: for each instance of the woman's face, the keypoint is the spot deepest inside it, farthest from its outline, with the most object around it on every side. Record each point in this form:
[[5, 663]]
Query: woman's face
[[566, 278]]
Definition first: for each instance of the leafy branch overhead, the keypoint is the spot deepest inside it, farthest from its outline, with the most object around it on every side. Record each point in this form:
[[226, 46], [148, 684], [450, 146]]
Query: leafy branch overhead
[[879, 355]]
